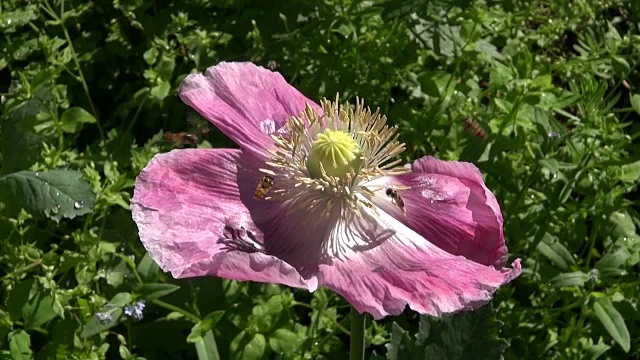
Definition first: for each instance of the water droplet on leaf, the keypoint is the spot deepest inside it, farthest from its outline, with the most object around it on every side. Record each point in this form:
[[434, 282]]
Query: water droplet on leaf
[[78, 204]]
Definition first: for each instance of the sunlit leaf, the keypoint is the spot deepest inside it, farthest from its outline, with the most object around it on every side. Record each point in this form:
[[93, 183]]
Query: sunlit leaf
[[20, 345], [54, 194], [248, 346], [74, 118]]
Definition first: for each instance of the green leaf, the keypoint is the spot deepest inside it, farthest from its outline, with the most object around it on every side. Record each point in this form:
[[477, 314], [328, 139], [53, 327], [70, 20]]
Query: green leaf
[[577, 278], [74, 118], [38, 310], [556, 252], [247, 346], [468, 335], [203, 326], [284, 341], [613, 260], [18, 298], [500, 75], [165, 68], [622, 225], [20, 144], [400, 346], [206, 347], [613, 322], [150, 56], [147, 268], [54, 194], [620, 66], [635, 102], [161, 90], [20, 345], [154, 291], [114, 308], [631, 172]]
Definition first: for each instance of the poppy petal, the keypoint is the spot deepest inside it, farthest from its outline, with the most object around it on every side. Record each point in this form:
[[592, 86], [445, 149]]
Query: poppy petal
[[246, 102], [405, 269], [192, 221], [448, 204]]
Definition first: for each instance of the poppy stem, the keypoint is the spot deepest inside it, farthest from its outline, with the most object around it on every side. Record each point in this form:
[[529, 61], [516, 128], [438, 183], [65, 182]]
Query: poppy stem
[[357, 335]]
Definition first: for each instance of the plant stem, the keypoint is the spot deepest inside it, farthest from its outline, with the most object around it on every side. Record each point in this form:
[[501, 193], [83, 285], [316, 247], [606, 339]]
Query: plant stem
[[357, 335]]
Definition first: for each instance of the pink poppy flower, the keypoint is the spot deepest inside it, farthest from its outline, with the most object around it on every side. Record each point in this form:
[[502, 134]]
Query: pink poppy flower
[[313, 198]]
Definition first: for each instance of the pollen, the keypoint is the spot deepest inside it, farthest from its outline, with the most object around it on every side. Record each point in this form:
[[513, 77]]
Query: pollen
[[327, 159], [334, 153]]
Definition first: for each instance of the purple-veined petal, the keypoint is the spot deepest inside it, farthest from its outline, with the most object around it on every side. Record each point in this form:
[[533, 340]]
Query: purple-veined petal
[[404, 269], [449, 205], [246, 102], [192, 221]]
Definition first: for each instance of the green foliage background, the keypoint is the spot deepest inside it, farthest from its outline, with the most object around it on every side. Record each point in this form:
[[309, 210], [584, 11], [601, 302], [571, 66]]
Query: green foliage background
[[87, 87]]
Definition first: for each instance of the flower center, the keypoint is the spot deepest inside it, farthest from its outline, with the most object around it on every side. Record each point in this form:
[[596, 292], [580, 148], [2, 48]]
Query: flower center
[[327, 161], [334, 153]]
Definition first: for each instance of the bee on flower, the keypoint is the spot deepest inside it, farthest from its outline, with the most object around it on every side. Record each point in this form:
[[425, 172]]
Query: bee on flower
[[328, 219]]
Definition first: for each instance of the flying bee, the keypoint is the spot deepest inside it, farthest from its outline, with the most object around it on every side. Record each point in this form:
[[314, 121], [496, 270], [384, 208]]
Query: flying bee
[[397, 199], [474, 129], [181, 138], [263, 188], [197, 129]]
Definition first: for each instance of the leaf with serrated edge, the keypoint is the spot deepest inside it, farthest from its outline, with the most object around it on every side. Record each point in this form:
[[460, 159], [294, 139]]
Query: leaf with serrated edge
[[54, 194]]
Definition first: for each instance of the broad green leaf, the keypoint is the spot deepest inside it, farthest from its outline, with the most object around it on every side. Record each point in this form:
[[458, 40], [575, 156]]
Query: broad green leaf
[[18, 298], [20, 345], [635, 102], [165, 68], [631, 172], [613, 322], [38, 310], [204, 325], [150, 56], [115, 275], [435, 84], [500, 75], [154, 291], [284, 341], [622, 225], [74, 118], [161, 90], [577, 278], [19, 143], [246, 346], [54, 194]]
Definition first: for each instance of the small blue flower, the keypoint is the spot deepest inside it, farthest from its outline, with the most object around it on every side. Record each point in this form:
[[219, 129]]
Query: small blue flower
[[135, 310]]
